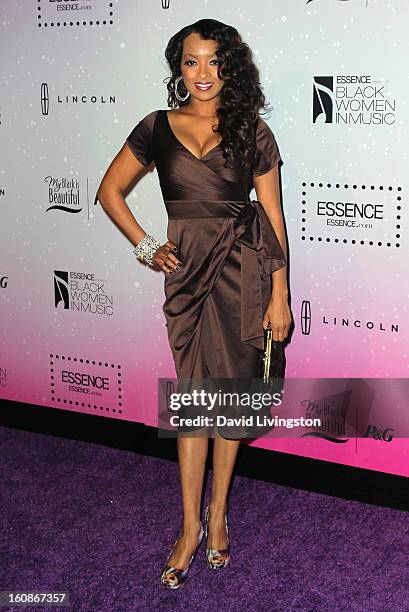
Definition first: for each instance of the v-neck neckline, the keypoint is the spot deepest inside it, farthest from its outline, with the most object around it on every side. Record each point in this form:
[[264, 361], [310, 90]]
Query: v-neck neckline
[[184, 146]]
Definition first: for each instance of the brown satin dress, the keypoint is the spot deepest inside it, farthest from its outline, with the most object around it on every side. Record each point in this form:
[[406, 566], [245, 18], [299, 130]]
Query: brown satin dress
[[215, 304]]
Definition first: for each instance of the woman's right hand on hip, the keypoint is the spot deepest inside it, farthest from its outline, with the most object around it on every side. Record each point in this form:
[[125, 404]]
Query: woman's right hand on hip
[[165, 259]]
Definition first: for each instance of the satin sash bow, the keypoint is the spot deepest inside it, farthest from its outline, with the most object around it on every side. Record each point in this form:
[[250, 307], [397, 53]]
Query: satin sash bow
[[261, 254]]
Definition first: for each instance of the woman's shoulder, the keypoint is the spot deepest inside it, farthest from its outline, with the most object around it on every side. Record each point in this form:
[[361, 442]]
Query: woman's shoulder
[[267, 151], [263, 126], [140, 139], [149, 118], [264, 133]]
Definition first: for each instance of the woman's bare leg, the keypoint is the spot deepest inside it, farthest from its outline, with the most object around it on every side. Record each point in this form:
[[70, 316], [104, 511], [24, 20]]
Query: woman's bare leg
[[192, 453], [224, 458]]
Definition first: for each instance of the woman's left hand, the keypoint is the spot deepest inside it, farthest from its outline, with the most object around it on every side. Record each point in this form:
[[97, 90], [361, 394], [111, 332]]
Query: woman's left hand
[[278, 314]]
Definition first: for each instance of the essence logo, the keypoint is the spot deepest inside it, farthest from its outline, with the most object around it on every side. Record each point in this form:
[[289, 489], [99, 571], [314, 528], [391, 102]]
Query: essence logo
[[82, 292], [85, 383], [73, 13], [90, 384], [357, 214], [352, 100], [384, 435]]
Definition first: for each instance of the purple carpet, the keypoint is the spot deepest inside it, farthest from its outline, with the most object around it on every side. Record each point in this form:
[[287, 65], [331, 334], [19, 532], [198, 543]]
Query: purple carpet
[[99, 523]]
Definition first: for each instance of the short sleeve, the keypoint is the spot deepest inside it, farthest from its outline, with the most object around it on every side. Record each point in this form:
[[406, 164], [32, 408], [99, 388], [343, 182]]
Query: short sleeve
[[267, 154], [140, 139]]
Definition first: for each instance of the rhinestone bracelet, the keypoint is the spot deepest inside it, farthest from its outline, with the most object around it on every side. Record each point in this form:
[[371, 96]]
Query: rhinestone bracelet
[[146, 248]]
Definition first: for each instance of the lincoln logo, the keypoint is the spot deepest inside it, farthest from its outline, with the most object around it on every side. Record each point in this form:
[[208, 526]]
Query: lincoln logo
[[3, 377], [170, 389], [306, 317], [45, 99]]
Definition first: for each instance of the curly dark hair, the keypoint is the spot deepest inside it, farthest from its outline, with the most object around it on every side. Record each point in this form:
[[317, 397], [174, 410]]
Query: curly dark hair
[[241, 96]]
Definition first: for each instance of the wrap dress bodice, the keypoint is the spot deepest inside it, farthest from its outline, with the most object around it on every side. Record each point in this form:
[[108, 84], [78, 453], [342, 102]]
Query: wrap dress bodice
[[214, 306]]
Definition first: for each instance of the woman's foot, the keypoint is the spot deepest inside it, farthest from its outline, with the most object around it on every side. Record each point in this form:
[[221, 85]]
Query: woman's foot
[[178, 563], [217, 544]]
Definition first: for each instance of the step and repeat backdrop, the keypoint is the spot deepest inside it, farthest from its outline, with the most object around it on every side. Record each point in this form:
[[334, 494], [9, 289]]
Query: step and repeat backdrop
[[82, 323]]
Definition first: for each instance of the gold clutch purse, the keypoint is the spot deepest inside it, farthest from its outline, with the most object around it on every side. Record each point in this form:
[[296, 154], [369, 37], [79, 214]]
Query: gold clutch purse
[[273, 362], [271, 377], [268, 338]]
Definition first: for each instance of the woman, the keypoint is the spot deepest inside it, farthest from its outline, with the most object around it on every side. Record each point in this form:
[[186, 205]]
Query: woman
[[224, 260]]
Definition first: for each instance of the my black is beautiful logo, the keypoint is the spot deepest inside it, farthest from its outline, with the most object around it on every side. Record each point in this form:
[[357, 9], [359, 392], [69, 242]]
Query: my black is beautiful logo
[[82, 292], [63, 194], [341, 406], [332, 419], [69, 195], [352, 100]]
